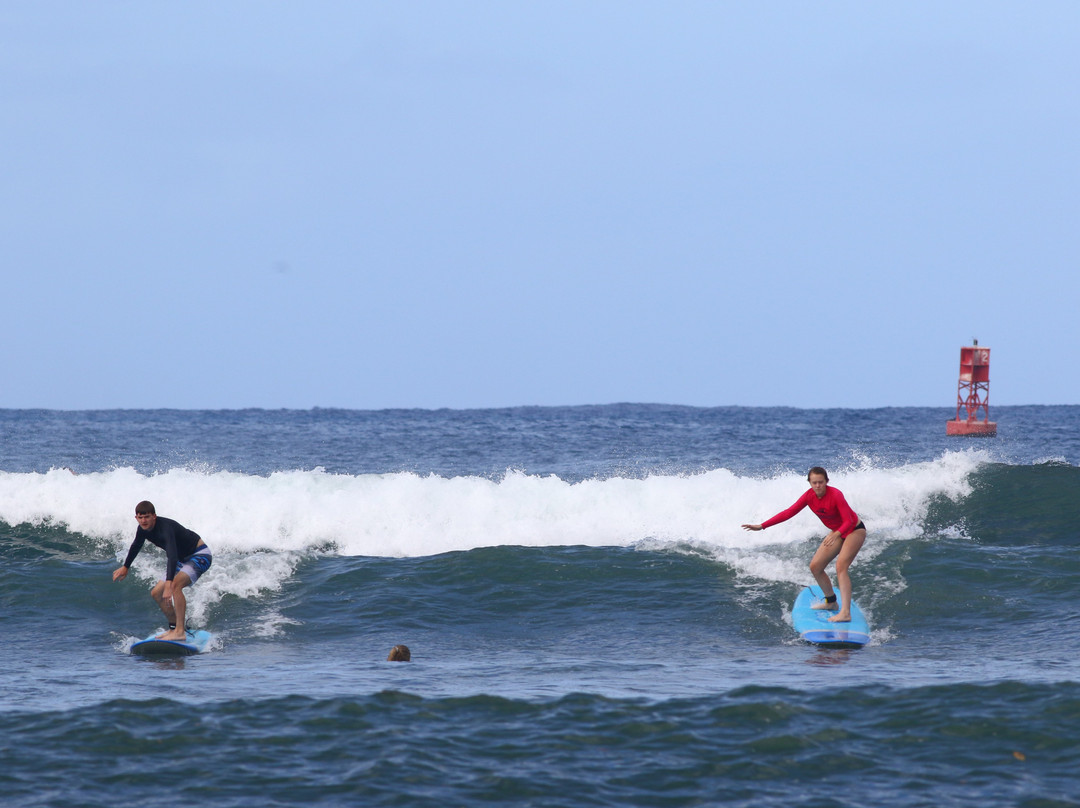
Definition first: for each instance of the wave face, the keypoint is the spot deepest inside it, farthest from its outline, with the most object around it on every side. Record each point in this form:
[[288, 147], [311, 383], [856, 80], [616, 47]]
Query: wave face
[[584, 611]]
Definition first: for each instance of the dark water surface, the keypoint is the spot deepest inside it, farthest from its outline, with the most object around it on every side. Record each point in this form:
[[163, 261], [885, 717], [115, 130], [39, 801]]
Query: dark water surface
[[589, 625]]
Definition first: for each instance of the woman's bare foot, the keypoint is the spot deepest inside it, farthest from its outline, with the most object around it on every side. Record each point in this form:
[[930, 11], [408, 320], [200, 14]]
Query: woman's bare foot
[[843, 617], [176, 634], [832, 606]]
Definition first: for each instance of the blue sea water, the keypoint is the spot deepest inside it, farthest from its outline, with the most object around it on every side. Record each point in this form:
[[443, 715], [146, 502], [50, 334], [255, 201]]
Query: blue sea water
[[588, 623]]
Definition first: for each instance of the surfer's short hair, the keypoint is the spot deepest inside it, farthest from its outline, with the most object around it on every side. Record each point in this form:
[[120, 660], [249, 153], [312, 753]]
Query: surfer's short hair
[[817, 470], [399, 653], [145, 507]]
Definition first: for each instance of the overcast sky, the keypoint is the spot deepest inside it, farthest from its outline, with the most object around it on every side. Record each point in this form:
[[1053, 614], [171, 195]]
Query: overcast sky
[[482, 204]]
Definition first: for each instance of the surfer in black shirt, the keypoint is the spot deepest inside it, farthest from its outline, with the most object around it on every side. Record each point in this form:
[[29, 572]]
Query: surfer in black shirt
[[187, 555]]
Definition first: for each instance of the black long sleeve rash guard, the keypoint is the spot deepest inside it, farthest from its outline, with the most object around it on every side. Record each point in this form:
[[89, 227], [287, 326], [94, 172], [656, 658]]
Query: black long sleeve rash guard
[[176, 540]]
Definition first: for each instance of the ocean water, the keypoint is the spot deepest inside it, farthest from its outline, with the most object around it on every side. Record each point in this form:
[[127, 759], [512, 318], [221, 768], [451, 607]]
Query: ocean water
[[589, 625]]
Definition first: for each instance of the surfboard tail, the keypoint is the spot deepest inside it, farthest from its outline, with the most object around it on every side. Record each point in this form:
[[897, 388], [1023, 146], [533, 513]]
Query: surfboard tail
[[813, 625], [196, 643]]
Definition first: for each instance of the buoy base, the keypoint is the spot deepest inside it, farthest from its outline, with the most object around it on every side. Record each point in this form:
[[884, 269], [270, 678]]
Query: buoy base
[[975, 429]]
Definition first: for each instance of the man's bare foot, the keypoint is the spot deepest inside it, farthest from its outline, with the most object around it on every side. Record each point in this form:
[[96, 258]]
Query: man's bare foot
[[843, 617], [824, 604]]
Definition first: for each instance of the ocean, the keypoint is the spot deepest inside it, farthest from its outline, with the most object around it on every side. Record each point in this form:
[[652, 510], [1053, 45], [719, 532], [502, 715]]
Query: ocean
[[589, 625]]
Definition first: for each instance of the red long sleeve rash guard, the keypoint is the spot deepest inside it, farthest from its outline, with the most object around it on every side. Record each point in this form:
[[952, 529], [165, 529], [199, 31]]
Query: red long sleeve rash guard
[[832, 509]]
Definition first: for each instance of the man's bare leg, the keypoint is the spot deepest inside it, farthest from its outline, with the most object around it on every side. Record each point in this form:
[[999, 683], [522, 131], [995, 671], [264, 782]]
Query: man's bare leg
[[174, 607]]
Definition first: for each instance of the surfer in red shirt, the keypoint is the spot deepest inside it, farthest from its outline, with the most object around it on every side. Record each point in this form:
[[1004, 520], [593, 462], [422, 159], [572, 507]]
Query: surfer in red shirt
[[846, 536]]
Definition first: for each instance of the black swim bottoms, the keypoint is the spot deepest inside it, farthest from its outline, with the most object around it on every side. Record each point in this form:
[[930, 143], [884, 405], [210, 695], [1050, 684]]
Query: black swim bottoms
[[859, 526]]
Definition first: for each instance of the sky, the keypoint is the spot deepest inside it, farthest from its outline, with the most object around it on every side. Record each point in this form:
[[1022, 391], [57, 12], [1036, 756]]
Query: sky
[[466, 204]]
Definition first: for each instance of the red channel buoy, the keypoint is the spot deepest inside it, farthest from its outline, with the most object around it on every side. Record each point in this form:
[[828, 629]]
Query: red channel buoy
[[973, 395]]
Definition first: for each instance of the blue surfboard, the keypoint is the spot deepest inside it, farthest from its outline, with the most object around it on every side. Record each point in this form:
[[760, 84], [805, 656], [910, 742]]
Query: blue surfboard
[[195, 643], [813, 624]]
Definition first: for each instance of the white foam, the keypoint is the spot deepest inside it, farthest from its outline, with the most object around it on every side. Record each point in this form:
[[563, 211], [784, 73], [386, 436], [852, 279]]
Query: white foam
[[259, 528]]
